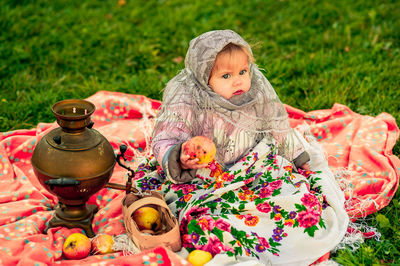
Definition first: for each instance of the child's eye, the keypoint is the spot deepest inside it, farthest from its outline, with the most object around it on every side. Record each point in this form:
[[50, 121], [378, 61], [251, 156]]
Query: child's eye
[[226, 76], [242, 72]]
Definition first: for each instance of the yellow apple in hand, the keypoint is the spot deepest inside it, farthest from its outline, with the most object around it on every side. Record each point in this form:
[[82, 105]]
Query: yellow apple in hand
[[202, 148], [199, 257], [76, 246], [102, 244], [147, 218]]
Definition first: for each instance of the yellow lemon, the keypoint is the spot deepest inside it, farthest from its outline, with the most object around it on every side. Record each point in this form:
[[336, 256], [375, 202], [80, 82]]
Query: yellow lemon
[[199, 257]]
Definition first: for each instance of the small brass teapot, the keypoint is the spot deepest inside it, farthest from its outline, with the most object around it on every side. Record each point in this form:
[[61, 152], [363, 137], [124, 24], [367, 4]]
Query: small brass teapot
[[74, 162]]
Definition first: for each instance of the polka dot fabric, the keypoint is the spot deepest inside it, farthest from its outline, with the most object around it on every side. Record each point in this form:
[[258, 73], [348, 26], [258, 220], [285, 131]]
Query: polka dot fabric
[[362, 144], [26, 207], [358, 147]]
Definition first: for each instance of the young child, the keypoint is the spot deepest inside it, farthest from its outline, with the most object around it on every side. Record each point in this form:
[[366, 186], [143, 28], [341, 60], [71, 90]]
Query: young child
[[221, 94], [251, 206]]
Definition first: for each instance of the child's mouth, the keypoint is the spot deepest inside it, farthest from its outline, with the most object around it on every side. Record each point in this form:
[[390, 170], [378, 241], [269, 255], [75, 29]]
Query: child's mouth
[[238, 92]]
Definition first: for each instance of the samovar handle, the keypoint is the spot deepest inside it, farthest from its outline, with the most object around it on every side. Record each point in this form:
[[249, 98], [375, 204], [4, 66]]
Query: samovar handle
[[128, 187], [62, 182], [90, 125]]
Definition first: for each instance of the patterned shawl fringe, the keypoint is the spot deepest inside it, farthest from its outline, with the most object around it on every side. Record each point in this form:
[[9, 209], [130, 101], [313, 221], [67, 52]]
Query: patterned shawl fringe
[[358, 229]]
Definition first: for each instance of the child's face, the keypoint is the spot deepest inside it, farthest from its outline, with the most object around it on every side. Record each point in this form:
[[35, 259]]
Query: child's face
[[230, 75]]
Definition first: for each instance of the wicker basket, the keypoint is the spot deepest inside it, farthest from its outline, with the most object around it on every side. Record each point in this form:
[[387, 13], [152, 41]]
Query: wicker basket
[[168, 235]]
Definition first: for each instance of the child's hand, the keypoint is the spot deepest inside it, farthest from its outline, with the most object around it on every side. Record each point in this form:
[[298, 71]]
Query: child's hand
[[187, 163], [305, 166]]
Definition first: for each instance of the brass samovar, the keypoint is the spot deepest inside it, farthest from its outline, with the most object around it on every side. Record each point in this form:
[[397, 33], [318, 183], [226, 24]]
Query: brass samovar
[[73, 162]]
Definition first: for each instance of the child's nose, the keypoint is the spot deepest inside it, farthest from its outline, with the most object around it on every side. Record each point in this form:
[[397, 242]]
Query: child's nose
[[237, 81]]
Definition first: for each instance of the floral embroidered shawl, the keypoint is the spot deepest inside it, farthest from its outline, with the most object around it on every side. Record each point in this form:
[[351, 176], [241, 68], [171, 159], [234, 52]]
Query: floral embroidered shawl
[[259, 210]]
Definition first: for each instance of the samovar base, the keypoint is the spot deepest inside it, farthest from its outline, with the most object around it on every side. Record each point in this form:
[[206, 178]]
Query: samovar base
[[82, 217]]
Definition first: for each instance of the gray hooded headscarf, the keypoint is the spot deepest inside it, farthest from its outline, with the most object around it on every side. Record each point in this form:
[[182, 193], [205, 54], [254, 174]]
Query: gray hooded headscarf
[[190, 107]]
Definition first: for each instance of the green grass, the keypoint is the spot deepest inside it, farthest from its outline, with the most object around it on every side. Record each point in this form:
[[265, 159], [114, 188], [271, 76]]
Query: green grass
[[315, 53]]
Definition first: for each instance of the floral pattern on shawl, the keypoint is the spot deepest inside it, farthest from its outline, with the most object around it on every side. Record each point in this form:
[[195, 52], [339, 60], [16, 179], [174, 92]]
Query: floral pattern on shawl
[[243, 211]]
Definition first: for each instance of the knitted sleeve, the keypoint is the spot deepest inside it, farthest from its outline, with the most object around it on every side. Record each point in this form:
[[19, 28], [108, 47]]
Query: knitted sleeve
[[171, 129], [171, 166]]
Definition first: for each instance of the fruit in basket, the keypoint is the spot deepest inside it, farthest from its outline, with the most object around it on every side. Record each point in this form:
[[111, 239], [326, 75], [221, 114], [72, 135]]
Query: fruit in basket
[[200, 147], [199, 257], [76, 246], [102, 244], [147, 218]]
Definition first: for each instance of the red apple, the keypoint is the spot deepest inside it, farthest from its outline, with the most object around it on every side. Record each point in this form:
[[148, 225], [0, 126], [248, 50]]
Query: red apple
[[102, 244], [77, 246], [202, 148]]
